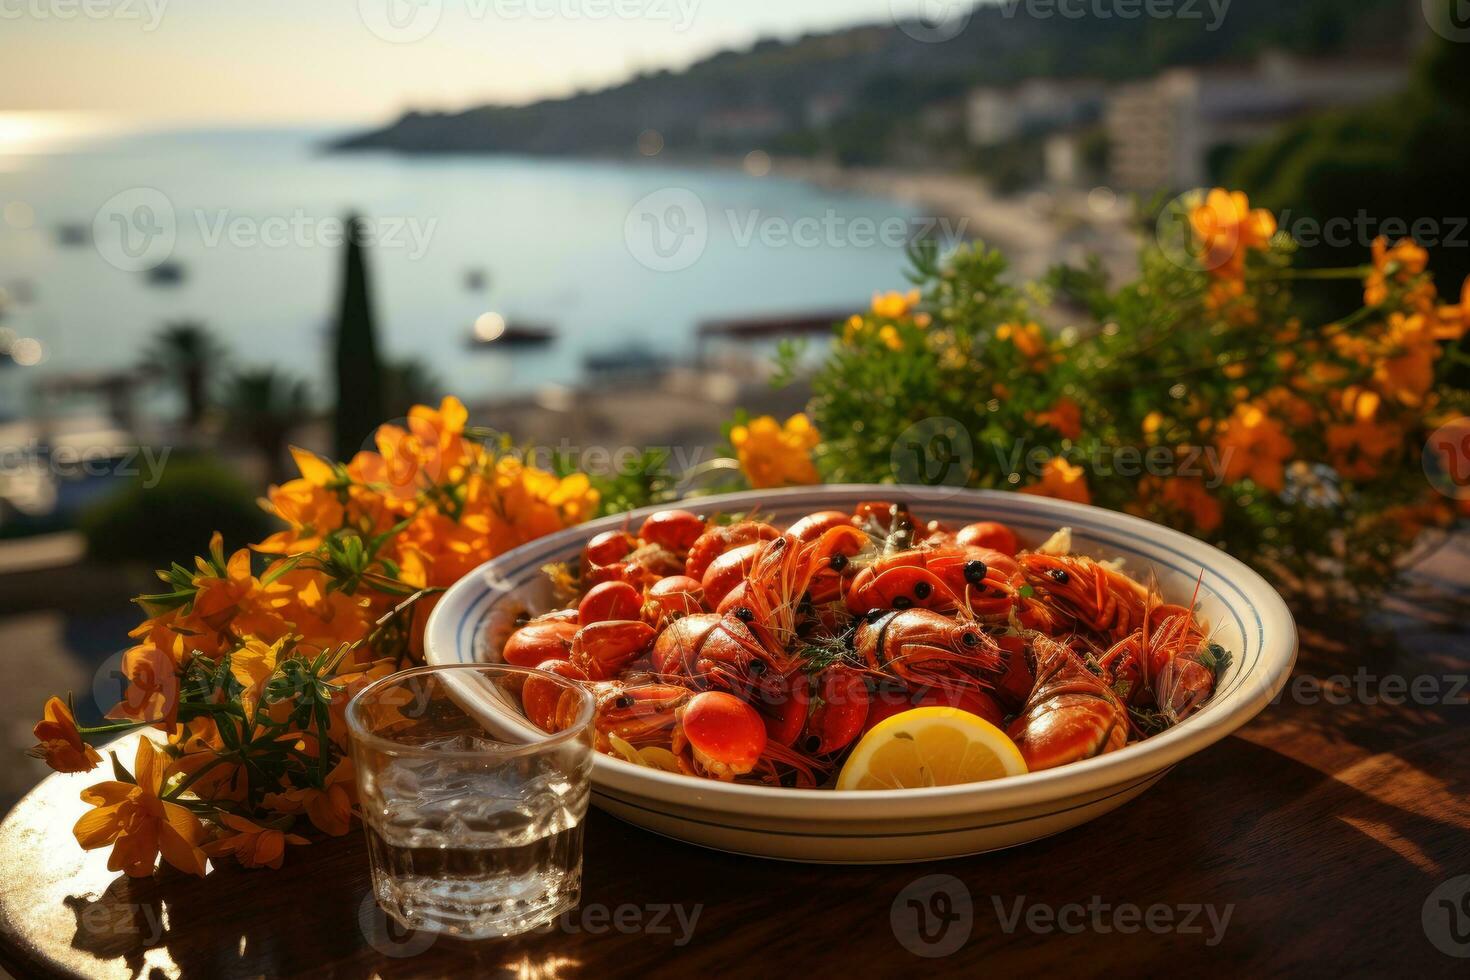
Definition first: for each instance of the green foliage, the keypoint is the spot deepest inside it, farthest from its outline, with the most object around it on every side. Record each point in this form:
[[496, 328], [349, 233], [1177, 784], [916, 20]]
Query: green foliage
[[1276, 437], [1382, 167], [264, 405], [154, 524]]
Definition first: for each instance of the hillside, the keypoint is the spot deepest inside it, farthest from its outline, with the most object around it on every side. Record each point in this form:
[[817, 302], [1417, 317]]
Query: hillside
[[855, 93]]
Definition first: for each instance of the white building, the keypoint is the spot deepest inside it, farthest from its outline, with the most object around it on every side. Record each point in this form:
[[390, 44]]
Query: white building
[[999, 115], [1161, 132]]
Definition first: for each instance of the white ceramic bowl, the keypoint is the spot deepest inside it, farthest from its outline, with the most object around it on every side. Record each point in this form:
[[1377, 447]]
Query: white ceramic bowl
[[1248, 617]]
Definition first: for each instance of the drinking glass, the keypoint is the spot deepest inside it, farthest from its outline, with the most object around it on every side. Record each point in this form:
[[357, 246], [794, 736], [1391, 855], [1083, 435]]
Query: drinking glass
[[473, 814]]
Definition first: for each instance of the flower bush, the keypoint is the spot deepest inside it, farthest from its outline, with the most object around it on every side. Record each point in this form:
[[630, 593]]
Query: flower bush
[[246, 661], [1196, 395]]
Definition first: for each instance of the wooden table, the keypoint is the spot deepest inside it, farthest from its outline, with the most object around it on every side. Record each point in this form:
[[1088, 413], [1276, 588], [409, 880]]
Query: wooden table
[[1328, 831]]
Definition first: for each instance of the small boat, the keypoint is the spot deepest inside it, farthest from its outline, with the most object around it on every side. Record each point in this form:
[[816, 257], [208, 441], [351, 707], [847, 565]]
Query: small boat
[[635, 359], [475, 280], [166, 274], [492, 331], [73, 235]]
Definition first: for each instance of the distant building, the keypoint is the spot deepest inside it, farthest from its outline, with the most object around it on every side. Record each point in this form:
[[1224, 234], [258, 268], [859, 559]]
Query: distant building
[[1163, 132], [1035, 107], [942, 120], [824, 109], [742, 124]]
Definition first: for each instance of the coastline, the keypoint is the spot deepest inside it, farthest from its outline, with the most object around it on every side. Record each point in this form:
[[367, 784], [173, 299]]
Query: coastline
[[1035, 230]]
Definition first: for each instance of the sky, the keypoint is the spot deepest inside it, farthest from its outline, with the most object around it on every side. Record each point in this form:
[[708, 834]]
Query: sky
[[351, 61]]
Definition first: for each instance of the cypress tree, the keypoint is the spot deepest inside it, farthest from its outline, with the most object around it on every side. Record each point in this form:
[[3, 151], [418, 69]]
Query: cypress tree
[[360, 405]]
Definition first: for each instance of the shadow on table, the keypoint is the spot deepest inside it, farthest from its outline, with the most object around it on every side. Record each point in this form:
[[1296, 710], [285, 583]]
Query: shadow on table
[[1302, 860]]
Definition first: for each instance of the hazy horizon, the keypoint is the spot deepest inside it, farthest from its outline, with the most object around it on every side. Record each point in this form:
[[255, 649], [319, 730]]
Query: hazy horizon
[[169, 64]]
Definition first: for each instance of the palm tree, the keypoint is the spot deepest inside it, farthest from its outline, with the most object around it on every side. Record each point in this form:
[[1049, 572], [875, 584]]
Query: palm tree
[[265, 405], [187, 353]]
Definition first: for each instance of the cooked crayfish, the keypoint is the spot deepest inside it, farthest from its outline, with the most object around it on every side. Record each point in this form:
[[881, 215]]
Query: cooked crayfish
[[737, 651]]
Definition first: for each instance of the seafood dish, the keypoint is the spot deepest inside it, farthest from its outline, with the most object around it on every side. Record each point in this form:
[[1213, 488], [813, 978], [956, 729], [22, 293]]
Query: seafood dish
[[728, 648]]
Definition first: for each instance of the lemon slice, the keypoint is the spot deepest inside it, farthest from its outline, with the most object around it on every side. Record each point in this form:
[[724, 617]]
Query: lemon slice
[[930, 747]]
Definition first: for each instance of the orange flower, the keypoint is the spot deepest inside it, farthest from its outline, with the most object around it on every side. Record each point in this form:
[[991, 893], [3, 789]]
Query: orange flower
[[1360, 448], [1227, 228], [1455, 320], [152, 695], [253, 846], [138, 823], [1406, 373], [1192, 499], [1398, 264], [1027, 338], [1065, 416], [220, 596], [774, 455], [311, 506], [60, 741], [1253, 446], [328, 808], [895, 305], [1185, 498], [1292, 407], [1062, 481]]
